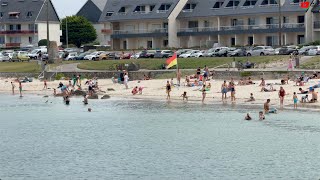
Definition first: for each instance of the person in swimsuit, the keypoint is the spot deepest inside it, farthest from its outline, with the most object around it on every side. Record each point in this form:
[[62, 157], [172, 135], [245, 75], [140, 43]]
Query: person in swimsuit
[[67, 100], [314, 96], [261, 116], [54, 92], [134, 90], [303, 91], [262, 84], [282, 94], [251, 98], [13, 86], [184, 96], [304, 99], [233, 92], [224, 90], [267, 106], [198, 72], [295, 100], [20, 89], [45, 86], [168, 90], [178, 77], [203, 90], [85, 100]]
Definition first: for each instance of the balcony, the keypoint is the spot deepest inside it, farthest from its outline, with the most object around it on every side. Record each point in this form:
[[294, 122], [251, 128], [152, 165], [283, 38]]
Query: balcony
[[106, 31], [242, 29], [139, 33], [13, 44], [18, 32], [316, 25]]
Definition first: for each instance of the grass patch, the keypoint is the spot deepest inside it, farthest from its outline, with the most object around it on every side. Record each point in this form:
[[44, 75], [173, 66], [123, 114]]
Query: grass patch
[[188, 63], [313, 63], [22, 67]]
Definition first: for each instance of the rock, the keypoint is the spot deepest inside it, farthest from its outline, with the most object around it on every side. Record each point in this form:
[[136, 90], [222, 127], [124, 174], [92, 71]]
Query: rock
[[94, 96], [111, 89], [46, 96], [79, 93], [105, 97]]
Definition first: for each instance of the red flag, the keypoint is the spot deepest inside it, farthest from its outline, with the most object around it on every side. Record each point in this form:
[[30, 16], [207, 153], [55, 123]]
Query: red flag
[[305, 4]]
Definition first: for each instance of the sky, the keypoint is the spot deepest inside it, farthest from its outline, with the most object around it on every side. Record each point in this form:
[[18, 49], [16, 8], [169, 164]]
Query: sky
[[67, 7]]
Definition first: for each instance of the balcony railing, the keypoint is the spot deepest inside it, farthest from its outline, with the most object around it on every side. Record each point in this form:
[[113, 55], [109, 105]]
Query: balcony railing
[[106, 31], [316, 24], [162, 11], [141, 31], [18, 32], [243, 27], [13, 44]]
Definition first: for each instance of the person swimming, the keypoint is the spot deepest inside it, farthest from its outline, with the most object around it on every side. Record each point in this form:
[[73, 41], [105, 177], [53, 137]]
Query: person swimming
[[85, 100], [67, 100], [248, 117], [261, 116]]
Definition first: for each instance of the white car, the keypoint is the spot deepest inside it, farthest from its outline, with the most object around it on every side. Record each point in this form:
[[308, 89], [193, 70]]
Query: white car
[[4, 58], [93, 56], [188, 54], [277, 51], [304, 50], [135, 56], [71, 56], [314, 51], [261, 51], [34, 54], [198, 54]]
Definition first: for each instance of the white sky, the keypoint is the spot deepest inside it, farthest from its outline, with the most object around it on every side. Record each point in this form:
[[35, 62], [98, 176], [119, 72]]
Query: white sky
[[67, 7]]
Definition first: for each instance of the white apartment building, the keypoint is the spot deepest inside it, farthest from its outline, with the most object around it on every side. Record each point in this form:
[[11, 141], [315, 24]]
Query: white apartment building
[[198, 23], [23, 23]]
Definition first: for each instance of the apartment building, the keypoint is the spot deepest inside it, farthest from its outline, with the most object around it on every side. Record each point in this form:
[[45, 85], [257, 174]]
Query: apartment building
[[92, 10], [23, 22], [200, 23]]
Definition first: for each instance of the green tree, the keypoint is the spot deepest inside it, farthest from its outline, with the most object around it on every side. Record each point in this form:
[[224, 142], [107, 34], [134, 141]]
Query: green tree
[[80, 30], [43, 42]]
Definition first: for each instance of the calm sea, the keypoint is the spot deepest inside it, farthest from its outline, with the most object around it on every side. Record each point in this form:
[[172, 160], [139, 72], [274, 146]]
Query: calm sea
[[124, 139]]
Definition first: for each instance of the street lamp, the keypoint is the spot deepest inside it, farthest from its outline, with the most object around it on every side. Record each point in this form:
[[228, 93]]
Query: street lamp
[[48, 40]]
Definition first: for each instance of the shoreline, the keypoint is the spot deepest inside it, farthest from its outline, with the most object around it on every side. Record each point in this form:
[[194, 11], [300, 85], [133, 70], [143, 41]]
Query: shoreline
[[154, 90]]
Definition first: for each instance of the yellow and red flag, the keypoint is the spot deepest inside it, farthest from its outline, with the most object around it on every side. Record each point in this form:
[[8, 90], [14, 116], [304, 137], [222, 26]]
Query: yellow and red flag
[[172, 61]]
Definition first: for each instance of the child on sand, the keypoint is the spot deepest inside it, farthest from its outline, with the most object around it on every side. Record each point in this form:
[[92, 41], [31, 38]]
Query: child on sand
[[13, 86], [45, 84], [295, 101], [251, 98], [20, 89], [134, 90], [168, 89], [184, 96], [140, 89]]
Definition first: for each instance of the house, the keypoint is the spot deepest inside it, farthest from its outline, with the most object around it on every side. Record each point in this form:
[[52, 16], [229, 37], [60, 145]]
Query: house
[[24, 22]]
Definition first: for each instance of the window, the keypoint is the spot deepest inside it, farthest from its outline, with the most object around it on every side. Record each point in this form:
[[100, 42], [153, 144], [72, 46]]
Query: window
[[250, 3], [29, 14], [33, 27], [285, 19], [192, 24], [232, 3], [233, 41], [300, 19], [2, 40], [15, 39], [189, 7], [15, 27], [122, 10], [164, 7], [217, 5], [165, 43], [30, 40], [206, 24], [14, 15], [251, 21], [109, 13], [140, 9], [268, 2], [1, 14], [152, 7]]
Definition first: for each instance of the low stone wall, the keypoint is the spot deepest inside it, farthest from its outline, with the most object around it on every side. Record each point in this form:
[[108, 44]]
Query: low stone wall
[[18, 75]]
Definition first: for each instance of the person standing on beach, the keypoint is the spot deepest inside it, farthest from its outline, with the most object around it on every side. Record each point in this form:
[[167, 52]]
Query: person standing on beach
[[126, 79], [20, 89], [267, 106], [45, 86], [206, 73], [13, 86], [224, 90], [79, 80], [233, 92], [203, 93], [178, 76], [295, 101], [74, 79], [198, 72], [168, 90], [282, 94]]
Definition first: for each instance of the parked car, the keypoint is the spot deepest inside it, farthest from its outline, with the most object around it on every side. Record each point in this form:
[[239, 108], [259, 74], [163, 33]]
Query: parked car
[[277, 51], [150, 53], [114, 55], [182, 51], [34, 54], [237, 52], [188, 54], [314, 51], [209, 53], [224, 52], [163, 54], [216, 50], [261, 51], [3, 57], [20, 56], [82, 55], [197, 54], [287, 50], [71, 56], [93, 56], [135, 56], [304, 50]]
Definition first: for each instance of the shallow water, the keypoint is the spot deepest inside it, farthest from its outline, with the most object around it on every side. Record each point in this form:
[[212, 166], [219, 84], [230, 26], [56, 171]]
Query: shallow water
[[124, 139]]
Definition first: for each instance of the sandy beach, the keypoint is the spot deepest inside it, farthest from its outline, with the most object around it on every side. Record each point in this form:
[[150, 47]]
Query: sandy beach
[[155, 90]]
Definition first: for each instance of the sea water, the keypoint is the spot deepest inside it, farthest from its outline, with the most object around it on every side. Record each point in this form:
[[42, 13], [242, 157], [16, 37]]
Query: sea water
[[131, 139]]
